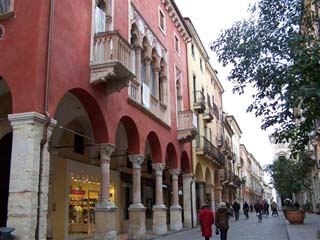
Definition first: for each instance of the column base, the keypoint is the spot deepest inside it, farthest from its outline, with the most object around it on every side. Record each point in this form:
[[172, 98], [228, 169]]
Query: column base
[[159, 224], [137, 222], [105, 222], [175, 218]]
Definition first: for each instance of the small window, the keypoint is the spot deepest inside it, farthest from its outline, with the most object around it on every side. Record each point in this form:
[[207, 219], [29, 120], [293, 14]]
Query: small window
[[201, 64], [79, 144], [176, 44], [162, 21], [192, 50]]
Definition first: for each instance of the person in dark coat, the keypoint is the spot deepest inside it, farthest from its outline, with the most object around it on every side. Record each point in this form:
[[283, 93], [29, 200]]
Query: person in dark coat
[[246, 209], [222, 220], [236, 208], [206, 218]]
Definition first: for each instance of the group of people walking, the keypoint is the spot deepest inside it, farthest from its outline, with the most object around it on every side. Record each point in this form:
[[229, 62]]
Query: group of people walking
[[221, 217]]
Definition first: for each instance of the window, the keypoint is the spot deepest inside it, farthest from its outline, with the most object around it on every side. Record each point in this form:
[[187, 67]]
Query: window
[[99, 19], [153, 80], [79, 144], [6, 9], [192, 50], [162, 21], [201, 64], [176, 44]]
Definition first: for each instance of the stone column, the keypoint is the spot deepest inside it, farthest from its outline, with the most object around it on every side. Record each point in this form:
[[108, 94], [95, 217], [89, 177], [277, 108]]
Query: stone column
[[213, 202], [105, 211], [138, 50], [165, 93], [201, 193], [137, 212], [24, 175], [175, 209], [159, 209], [147, 61], [218, 195], [187, 199], [156, 72]]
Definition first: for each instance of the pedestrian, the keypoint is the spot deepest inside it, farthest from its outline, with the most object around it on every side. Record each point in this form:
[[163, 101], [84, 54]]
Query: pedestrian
[[206, 218], [236, 208], [251, 208], [274, 209], [245, 209], [222, 221], [266, 208], [258, 209]]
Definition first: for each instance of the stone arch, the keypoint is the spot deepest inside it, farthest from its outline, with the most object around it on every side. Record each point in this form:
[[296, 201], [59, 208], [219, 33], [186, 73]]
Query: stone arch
[[132, 134], [147, 48], [136, 38], [208, 176], [185, 163], [171, 157], [155, 58], [199, 172], [155, 147]]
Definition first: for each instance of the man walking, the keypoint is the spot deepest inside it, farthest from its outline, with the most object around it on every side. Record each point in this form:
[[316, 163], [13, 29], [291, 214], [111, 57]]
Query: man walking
[[236, 209], [222, 220]]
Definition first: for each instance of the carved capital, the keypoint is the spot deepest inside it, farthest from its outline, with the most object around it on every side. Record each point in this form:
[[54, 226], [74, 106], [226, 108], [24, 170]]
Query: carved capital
[[105, 151], [175, 173], [158, 168], [136, 160]]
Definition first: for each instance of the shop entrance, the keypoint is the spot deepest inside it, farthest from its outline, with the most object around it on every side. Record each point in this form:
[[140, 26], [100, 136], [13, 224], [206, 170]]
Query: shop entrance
[[5, 160]]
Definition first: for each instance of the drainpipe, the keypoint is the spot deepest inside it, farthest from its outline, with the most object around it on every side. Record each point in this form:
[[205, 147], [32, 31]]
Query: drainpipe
[[191, 208], [47, 115]]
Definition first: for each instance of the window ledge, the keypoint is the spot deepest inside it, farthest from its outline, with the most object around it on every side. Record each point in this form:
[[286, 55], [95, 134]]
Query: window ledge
[[7, 15]]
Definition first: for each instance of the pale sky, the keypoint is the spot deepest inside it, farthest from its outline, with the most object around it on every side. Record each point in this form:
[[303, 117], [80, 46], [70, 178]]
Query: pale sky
[[209, 17]]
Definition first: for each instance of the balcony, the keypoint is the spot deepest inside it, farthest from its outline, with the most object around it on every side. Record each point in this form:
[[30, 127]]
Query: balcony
[[223, 175], [111, 63], [187, 127], [206, 148], [199, 102], [208, 114], [215, 110]]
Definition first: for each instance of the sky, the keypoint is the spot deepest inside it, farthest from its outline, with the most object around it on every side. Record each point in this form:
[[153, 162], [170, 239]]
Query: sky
[[210, 17]]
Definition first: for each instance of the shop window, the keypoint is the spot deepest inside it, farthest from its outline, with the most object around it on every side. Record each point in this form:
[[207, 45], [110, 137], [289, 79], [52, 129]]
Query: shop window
[[78, 144], [162, 21]]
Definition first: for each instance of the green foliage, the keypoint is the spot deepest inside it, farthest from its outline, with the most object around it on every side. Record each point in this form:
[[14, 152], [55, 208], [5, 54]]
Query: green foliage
[[277, 51], [289, 176]]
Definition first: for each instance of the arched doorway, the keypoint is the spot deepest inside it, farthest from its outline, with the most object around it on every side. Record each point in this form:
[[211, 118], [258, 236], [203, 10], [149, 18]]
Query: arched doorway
[[5, 149], [75, 178]]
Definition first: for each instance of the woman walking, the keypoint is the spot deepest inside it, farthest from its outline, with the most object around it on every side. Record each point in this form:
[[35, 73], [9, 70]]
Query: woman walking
[[206, 218], [222, 220]]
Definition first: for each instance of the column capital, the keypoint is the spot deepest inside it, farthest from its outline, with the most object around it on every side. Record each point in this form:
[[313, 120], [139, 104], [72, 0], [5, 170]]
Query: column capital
[[30, 118], [187, 175], [175, 173], [156, 69], [158, 168], [136, 160], [147, 59], [105, 151], [137, 47]]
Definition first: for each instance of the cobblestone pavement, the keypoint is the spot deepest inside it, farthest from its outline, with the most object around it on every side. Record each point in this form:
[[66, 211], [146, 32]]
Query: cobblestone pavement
[[272, 228]]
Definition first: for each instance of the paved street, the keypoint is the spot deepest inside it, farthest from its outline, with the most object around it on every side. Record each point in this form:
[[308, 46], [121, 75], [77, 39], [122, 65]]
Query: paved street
[[272, 228]]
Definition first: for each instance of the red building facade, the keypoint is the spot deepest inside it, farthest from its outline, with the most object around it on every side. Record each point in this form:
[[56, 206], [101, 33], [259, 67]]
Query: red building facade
[[94, 118]]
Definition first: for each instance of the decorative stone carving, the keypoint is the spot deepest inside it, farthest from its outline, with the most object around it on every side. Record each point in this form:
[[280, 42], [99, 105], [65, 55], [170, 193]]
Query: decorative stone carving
[[141, 26]]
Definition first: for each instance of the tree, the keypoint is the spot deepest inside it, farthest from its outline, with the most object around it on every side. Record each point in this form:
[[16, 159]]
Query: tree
[[290, 176], [277, 52]]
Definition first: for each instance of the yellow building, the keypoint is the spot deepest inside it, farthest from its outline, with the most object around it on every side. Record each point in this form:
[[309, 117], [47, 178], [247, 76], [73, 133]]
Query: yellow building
[[205, 92]]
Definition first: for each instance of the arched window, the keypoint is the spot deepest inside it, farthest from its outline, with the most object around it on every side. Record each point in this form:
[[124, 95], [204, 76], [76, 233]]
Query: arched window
[[99, 17], [152, 78]]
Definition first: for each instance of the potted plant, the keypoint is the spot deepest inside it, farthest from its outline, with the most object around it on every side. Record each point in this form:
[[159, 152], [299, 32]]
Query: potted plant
[[294, 215]]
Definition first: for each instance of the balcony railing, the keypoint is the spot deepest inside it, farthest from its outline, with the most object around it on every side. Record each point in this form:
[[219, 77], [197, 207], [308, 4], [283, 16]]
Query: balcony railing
[[208, 114], [111, 63], [206, 148], [215, 110], [199, 104], [187, 129]]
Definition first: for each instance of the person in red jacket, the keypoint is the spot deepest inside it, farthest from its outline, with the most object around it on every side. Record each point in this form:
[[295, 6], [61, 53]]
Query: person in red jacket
[[206, 218]]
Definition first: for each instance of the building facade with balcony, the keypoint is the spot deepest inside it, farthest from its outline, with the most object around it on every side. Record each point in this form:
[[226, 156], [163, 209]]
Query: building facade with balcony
[[256, 175], [205, 93], [246, 172], [96, 143]]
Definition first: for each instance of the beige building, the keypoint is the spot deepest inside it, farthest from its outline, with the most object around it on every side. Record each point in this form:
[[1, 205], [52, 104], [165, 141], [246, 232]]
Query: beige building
[[206, 101]]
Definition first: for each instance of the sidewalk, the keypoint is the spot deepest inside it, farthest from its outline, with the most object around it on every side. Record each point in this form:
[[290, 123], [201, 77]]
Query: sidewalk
[[306, 231]]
